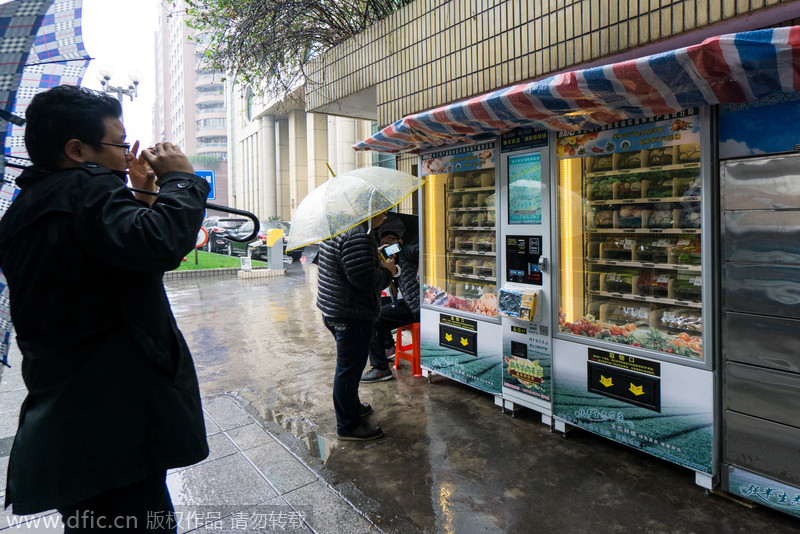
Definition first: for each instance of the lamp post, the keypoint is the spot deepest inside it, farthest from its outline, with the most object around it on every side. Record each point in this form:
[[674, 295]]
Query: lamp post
[[132, 90]]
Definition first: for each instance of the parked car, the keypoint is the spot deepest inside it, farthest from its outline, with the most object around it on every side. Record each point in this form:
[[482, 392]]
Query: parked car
[[217, 227], [257, 248]]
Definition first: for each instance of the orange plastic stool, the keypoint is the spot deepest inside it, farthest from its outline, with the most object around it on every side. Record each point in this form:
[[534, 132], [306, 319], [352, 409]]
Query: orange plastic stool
[[402, 351]]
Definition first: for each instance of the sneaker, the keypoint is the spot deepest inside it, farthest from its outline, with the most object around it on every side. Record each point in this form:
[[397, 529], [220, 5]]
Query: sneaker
[[363, 432], [390, 353], [365, 409], [377, 375]]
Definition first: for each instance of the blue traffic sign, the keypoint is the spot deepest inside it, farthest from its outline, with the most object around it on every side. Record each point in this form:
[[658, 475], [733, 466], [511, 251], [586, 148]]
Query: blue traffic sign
[[209, 177]]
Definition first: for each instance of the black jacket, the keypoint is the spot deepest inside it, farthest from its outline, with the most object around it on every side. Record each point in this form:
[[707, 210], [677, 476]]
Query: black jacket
[[351, 276], [408, 260], [112, 391]]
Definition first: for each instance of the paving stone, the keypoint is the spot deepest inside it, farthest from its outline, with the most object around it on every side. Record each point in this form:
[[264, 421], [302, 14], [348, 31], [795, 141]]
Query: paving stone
[[44, 523], [330, 514], [3, 475], [219, 446], [249, 436], [12, 400], [211, 427], [225, 412], [10, 381], [228, 481], [9, 422], [274, 515], [285, 472]]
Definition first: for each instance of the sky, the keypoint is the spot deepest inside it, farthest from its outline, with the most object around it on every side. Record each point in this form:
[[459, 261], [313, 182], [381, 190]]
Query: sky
[[119, 35]]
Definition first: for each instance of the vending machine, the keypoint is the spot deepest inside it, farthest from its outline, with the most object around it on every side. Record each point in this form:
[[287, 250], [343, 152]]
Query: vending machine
[[524, 302], [459, 326], [760, 342], [635, 283]]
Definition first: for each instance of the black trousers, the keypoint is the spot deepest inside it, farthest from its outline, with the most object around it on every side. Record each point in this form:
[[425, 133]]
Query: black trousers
[[144, 506], [392, 316]]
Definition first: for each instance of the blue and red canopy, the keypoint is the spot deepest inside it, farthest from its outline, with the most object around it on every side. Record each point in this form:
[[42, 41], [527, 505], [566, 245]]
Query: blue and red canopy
[[733, 68]]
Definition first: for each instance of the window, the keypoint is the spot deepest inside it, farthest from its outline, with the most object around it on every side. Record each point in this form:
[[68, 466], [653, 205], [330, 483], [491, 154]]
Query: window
[[382, 159]]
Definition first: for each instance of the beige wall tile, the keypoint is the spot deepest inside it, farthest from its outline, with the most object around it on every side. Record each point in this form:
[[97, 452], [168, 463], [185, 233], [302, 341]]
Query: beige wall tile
[[701, 9], [451, 49]]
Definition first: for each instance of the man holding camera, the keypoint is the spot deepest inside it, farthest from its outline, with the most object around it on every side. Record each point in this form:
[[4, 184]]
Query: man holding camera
[[113, 399], [400, 312]]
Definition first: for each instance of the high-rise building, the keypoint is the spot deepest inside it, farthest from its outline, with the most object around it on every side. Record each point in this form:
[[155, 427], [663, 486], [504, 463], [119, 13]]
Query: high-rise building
[[189, 107]]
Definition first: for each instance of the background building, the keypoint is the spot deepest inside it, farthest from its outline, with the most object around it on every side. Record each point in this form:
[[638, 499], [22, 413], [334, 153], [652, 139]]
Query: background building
[[279, 152], [189, 105]]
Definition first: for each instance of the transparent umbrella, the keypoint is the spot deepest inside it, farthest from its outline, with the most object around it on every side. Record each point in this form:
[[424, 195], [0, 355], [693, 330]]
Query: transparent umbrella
[[347, 200]]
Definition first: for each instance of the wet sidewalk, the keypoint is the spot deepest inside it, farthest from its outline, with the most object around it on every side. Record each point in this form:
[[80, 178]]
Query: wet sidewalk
[[450, 462], [251, 481]]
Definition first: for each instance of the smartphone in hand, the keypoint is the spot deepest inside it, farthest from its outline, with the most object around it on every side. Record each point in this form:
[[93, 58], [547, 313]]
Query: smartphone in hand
[[389, 251]]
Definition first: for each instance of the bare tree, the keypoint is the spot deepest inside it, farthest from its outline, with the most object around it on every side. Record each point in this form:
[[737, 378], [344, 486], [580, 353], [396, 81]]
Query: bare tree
[[269, 43]]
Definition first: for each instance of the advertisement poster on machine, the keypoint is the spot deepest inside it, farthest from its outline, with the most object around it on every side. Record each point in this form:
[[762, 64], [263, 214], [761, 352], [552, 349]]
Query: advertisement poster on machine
[[678, 129], [526, 360], [471, 158]]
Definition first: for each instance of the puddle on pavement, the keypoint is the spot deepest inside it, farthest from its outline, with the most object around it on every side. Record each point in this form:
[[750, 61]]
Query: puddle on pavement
[[319, 445]]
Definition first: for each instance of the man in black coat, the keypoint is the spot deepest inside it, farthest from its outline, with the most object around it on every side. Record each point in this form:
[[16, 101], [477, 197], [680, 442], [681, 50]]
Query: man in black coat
[[351, 276], [399, 312], [113, 399]]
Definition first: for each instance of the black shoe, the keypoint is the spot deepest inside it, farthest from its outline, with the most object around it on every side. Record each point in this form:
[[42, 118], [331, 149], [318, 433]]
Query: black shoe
[[364, 432], [377, 375], [365, 409]]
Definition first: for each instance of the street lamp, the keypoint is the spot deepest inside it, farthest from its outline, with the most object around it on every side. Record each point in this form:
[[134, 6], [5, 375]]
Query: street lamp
[[132, 90]]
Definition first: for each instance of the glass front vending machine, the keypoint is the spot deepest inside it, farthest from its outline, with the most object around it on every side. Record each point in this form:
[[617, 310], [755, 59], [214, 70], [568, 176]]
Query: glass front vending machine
[[460, 329], [632, 360]]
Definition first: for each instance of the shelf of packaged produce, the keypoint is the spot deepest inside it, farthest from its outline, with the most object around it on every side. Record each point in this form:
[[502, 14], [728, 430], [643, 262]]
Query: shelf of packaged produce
[[475, 277], [665, 266], [482, 208], [644, 170], [470, 190], [663, 200], [642, 298], [474, 252], [670, 231], [474, 228]]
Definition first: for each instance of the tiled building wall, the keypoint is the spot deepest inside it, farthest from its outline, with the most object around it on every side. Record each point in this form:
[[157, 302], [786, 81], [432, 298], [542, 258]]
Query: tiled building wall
[[433, 52]]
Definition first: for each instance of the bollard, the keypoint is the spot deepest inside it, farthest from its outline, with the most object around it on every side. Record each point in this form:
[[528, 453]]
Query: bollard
[[275, 248]]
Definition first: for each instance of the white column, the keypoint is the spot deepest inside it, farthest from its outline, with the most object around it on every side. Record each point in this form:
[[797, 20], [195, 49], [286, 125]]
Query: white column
[[268, 176], [298, 158], [282, 166], [345, 137], [333, 156], [317, 143]]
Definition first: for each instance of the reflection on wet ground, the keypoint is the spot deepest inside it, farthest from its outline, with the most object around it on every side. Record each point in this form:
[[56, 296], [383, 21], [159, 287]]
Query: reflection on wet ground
[[450, 461]]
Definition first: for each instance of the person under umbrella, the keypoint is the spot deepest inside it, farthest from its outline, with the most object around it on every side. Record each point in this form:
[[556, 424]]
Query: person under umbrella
[[351, 276], [343, 213]]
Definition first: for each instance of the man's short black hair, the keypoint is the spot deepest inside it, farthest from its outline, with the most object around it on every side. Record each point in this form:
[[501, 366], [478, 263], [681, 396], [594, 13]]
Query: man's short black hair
[[390, 232], [63, 113]]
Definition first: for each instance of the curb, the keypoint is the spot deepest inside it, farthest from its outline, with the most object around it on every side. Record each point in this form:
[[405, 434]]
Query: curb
[[222, 273]]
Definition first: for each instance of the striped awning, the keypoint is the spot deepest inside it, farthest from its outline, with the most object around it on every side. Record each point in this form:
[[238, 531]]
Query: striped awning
[[733, 68]]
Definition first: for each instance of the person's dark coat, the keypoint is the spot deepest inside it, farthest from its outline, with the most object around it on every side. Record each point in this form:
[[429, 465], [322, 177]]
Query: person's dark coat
[[408, 260], [351, 276], [112, 391]]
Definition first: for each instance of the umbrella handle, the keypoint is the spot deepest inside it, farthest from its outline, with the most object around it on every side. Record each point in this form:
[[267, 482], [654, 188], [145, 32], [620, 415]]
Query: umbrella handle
[[244, 213]]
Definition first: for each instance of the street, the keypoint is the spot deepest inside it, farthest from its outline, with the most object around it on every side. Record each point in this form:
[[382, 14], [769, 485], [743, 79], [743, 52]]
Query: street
[[450, 461]]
